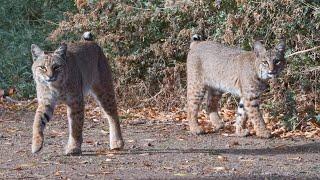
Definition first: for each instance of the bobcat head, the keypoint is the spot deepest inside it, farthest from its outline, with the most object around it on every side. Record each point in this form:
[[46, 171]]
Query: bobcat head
[[49, 68], [270, 63]]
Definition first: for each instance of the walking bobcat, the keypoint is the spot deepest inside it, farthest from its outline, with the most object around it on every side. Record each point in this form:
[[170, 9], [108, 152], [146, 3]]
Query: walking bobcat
[[215, 68], [66, 75]]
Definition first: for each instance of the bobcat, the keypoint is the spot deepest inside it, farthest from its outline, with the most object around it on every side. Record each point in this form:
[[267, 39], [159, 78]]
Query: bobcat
[[215, 68], [67, 75]]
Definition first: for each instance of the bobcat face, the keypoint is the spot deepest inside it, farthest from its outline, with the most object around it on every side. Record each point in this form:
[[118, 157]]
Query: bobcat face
[[270, 63], [49, 68]]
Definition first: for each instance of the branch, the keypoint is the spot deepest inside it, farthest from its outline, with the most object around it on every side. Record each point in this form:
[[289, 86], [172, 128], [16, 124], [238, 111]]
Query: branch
[[9, 99], [304, 51], [317, 68]]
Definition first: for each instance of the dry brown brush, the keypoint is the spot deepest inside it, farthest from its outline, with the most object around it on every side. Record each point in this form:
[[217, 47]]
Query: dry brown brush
[[148, 43]]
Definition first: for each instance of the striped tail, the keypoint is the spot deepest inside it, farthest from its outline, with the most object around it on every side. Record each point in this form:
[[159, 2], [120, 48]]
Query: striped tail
[[88, 36], [195, 39]]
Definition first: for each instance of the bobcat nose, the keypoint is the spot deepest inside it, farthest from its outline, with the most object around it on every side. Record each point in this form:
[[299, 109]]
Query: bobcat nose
[[273, 72], [51, 79]]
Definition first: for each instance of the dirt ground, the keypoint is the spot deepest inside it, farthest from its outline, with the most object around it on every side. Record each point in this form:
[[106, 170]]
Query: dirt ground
[[153, 150]]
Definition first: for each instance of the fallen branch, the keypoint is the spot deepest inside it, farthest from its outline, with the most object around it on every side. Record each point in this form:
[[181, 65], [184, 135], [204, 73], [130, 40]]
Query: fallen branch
[[303, 51]]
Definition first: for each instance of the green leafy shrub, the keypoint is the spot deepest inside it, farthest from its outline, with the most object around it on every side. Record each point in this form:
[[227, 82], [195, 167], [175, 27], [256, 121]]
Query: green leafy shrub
[[21, 24]]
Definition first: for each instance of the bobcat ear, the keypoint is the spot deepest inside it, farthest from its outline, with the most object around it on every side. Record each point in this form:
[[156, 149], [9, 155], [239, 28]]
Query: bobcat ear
[[281, 48], [259, 49], [61, 51], [36, 52]]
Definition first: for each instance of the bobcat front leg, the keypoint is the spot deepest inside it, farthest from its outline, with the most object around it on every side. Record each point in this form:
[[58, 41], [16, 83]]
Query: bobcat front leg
[[43, 115], [75, 111], [241, 120], [251, 106]]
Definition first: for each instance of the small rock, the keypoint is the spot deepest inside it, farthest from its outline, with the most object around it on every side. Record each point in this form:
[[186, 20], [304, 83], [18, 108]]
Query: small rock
[[232, 144], [148, 144]]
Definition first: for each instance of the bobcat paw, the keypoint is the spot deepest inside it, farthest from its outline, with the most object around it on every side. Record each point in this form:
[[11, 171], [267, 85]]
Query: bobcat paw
[[242, 133], [37, 143], [218, 126], [116, 145], [196, 130], [263, 134], [74, 151]]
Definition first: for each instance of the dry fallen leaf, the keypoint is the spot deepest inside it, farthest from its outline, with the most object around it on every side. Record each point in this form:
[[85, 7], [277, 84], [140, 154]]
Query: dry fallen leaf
[[104, 132], [222, 158], [315, 123], [219, 168], [295, 158], [84, 162], [232, 144], [312, 134], [58, 173]]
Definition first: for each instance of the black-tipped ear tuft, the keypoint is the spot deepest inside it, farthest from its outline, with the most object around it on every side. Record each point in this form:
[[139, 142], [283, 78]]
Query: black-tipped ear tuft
[[36, 52], [259, 48], [196, 37], [88, 36], [281, 48], [62, 50]]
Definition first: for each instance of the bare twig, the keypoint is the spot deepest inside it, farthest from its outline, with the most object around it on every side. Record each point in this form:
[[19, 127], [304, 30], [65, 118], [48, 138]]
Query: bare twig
[[317, 68], [303, 51], [154, 97], [9, 99]]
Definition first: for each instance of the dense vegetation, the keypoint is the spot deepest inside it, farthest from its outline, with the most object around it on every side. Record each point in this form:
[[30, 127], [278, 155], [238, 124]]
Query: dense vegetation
[[148, 43], [21, 24]]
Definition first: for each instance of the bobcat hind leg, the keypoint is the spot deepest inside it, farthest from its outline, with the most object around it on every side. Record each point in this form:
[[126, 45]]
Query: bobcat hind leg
[[194, 98], [106, 98], [213, 106]]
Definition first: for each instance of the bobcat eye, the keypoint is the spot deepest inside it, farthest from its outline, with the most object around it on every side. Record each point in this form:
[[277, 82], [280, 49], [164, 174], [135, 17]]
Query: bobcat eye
[[57, 68], [265, 63], [42, 68], [277, 62]]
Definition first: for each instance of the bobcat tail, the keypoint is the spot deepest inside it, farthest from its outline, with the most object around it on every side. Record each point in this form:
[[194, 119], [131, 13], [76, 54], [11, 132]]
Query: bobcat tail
[[88, 36], [195, 39]]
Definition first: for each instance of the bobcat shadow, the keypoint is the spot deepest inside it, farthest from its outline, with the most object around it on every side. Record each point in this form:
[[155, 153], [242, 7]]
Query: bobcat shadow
[[310, 148]]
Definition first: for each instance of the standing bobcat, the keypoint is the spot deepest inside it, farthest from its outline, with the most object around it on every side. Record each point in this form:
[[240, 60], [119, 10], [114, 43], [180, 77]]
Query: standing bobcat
[[66, 75], [215, 68]]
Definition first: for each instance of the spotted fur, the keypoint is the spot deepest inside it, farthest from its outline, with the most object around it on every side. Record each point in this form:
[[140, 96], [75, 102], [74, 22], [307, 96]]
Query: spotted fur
[[67, 75], [215, 68]]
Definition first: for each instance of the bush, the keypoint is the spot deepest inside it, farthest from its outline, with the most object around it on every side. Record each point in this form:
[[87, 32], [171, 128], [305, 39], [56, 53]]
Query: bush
[[148, 43], [23, 23]]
